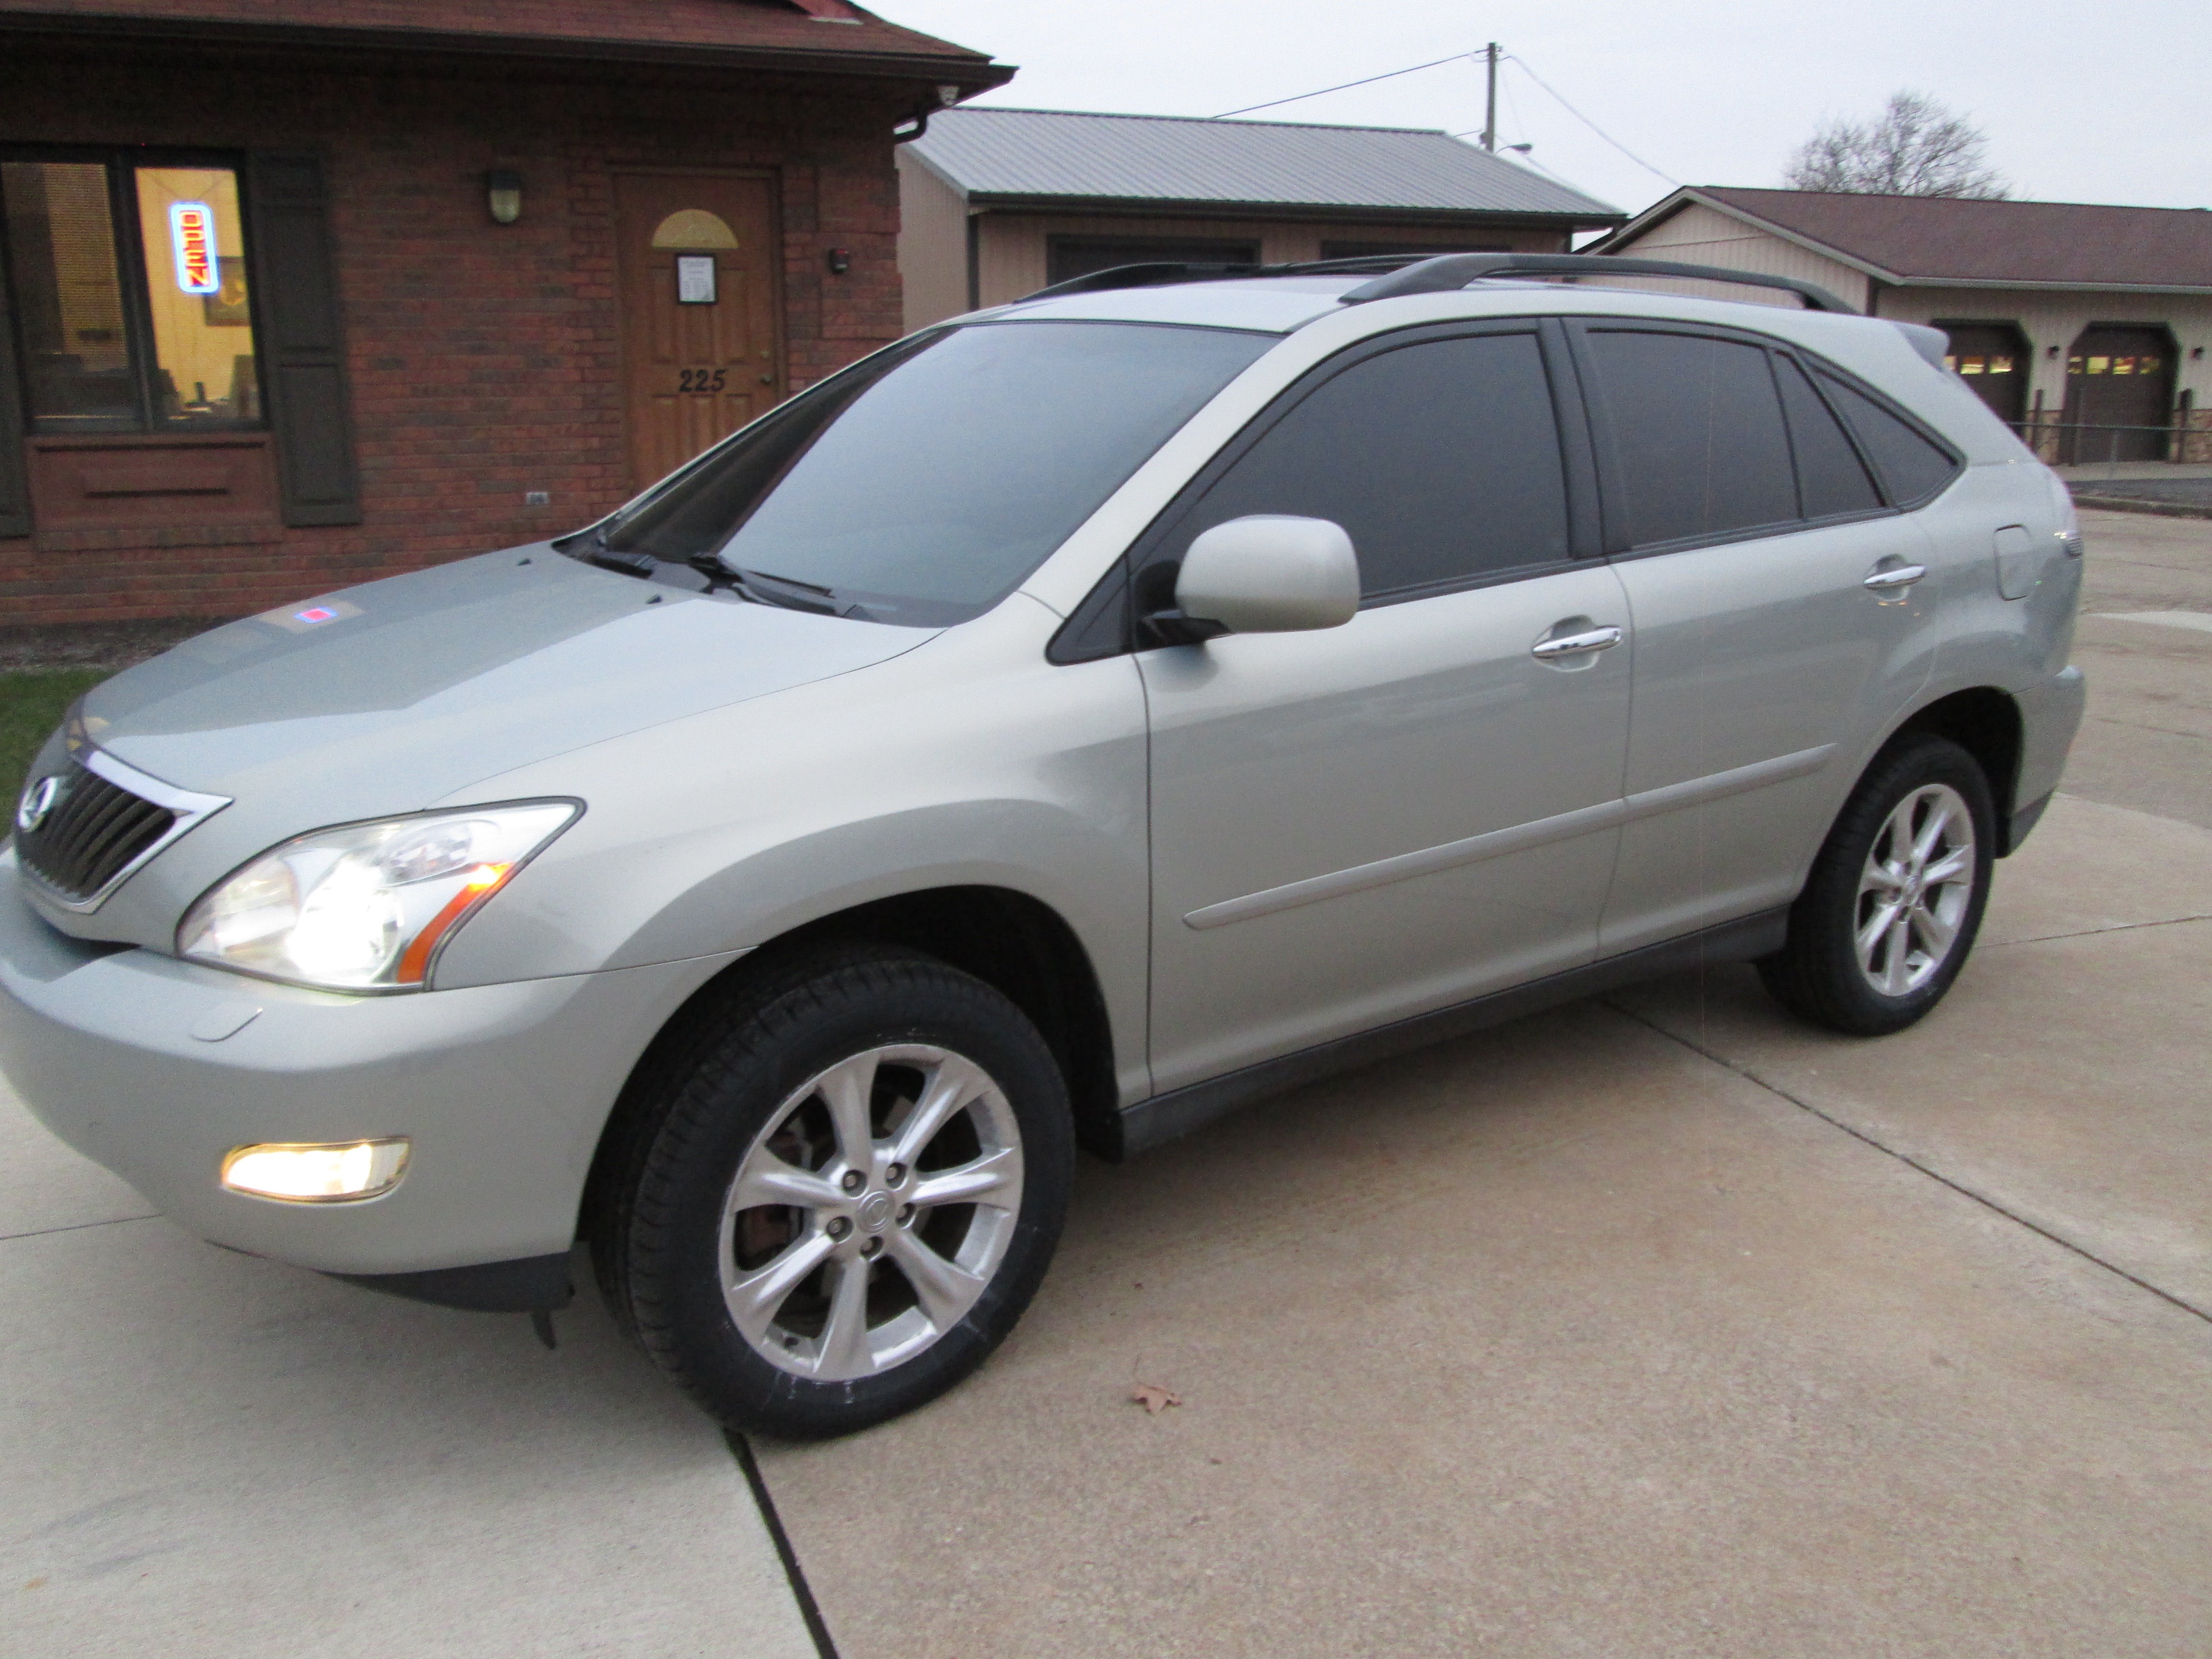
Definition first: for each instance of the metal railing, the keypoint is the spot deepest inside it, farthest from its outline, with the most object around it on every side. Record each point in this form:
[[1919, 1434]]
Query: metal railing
[[2088, 443]]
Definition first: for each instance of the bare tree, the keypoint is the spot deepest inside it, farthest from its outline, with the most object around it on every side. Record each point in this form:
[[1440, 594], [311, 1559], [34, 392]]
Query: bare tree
[[1915, 147]]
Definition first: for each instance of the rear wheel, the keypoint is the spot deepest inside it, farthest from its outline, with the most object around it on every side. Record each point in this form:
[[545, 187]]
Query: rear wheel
[[1891, 908], [843, 1200]]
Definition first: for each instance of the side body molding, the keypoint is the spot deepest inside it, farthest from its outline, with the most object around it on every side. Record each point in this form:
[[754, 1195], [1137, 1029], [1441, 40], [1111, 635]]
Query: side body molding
[[1648, 802]]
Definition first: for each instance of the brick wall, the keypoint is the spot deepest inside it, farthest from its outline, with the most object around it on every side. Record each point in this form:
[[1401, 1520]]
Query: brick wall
[[485, 360]]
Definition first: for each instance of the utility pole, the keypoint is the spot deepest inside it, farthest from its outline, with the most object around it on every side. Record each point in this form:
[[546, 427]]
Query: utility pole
[[1490, 109]]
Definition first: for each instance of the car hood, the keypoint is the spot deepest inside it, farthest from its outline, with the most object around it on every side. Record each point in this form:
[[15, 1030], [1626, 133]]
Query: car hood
[[394, 696]]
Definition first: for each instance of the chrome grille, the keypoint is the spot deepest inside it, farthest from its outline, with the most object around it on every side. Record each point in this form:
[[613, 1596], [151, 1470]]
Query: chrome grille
[[90, 834]]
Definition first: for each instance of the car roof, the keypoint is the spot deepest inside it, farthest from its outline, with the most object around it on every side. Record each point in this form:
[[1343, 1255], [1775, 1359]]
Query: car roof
[[1899, 358]]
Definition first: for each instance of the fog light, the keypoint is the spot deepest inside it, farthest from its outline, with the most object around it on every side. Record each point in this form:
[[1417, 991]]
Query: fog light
[[317, 1174]]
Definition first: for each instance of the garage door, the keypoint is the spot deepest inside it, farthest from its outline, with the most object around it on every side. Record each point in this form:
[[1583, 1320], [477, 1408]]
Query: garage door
[[2119, 394], [1069, 257], [1992, 358]]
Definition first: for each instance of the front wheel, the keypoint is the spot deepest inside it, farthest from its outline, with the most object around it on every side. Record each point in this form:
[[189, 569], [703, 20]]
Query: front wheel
[[843, 1200], [1895, 899]]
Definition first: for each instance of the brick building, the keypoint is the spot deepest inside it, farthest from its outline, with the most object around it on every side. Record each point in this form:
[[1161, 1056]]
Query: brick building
[[295, 296]]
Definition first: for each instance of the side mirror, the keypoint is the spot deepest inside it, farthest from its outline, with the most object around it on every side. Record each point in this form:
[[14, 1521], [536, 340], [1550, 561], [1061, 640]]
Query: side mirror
[[1270, 574]]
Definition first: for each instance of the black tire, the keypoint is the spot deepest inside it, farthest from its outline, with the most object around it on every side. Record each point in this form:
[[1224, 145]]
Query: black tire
[[657, 1232], [1818, 974]]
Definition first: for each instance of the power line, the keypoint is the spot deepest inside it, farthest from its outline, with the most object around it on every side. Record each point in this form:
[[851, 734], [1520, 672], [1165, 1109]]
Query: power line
[[1391, 74], [1593, 125]]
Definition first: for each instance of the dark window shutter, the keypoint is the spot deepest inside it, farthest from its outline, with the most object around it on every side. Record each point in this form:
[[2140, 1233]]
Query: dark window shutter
[[302, 346], [15, 477]]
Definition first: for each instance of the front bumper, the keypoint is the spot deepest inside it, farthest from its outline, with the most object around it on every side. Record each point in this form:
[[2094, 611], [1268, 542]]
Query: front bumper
[[503, 1090]]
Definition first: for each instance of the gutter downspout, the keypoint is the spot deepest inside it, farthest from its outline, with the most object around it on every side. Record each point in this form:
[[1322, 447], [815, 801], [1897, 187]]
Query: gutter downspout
[[975, 259]]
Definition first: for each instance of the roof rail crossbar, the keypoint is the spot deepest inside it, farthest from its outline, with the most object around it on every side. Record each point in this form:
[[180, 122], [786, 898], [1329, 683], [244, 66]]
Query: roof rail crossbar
[[1452, 271]]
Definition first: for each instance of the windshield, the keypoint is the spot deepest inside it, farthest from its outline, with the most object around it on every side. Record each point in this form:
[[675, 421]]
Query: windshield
[[922, 486]]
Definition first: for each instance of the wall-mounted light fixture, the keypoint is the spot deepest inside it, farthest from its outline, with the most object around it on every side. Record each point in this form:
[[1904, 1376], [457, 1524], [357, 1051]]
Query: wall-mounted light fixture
[[841, 261], [503, 196]]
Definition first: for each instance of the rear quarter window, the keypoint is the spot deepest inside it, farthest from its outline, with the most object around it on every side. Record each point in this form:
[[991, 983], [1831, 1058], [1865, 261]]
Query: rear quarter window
[[1833, 477], [1913, 467]]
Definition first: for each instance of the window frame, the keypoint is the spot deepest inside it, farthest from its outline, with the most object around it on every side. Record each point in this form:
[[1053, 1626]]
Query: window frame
[[125, 223], [1105, 623], [1612, 501]]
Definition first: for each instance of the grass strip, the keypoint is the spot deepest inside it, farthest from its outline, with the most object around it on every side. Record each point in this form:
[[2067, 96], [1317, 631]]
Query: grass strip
[[31, 703]]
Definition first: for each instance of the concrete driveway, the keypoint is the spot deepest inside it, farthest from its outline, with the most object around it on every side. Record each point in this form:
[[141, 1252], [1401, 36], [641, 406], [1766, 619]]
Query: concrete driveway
[[1655, 1325]]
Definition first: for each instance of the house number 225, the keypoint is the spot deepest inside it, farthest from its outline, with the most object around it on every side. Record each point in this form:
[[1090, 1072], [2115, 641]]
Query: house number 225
[[701, 379]]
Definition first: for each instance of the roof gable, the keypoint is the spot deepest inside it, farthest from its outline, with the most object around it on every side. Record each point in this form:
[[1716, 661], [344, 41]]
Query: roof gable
[[1948, 240], [1055, 155]]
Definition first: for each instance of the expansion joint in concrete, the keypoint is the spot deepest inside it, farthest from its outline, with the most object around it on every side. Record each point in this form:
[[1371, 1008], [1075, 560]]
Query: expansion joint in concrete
[[75, 1227], [1910, 1162], [809, 1611]]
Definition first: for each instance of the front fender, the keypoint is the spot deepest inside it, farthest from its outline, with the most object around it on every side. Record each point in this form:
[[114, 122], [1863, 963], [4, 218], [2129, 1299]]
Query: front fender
[[969, 761]]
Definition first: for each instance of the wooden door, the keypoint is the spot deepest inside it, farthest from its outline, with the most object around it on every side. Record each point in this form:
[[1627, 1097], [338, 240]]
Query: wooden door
[[696, 270], [2119, 394]]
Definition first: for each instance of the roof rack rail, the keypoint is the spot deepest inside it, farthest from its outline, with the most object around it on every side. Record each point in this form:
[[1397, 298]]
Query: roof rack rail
[[1158, 273], [1450, 271]]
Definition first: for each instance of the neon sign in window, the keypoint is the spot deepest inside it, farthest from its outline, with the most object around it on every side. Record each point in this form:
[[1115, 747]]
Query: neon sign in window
[[191, 235]]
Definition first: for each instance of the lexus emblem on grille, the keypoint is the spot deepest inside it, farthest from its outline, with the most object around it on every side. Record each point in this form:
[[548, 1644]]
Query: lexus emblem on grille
[[38, 801]]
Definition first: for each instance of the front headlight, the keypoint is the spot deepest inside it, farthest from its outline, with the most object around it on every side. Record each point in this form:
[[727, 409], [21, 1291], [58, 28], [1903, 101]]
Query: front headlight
[[366, 907]]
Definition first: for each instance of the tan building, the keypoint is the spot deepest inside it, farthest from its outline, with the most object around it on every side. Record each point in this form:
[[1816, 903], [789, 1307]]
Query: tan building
[[2085, 326], [998, 203]]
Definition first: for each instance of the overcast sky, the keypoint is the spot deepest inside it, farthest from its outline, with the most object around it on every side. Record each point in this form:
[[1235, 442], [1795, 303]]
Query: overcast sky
[[2081, 103]]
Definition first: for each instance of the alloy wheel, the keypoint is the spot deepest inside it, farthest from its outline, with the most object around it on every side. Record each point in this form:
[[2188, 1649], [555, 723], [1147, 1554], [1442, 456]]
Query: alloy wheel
[[1915, 889], [870, 1214]]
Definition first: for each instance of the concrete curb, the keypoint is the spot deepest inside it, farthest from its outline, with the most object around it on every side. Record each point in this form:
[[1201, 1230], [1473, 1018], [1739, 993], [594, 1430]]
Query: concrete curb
[[2134, 504]]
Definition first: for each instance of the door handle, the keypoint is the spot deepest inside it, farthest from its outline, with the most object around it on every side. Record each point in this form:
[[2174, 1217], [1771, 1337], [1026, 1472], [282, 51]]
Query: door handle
[[1577, 645], [1903, 576]]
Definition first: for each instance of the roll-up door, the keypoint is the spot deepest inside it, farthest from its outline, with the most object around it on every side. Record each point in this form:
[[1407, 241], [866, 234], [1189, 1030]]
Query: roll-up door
[[1992, 358], [2119, 394]]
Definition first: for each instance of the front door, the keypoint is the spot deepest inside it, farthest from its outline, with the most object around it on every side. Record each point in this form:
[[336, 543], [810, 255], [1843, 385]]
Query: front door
[[696, 268], [2119, 394], [1364, 822]]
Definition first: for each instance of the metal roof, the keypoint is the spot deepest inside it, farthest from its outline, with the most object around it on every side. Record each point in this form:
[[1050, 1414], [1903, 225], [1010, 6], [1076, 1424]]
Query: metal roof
[[1035, 156]]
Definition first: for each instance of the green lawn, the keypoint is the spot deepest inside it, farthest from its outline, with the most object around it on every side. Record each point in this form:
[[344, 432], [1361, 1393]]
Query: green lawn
[[31, 703]]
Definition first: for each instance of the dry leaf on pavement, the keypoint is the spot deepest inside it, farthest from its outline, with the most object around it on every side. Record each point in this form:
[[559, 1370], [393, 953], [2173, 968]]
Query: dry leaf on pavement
[[1154, 1398]]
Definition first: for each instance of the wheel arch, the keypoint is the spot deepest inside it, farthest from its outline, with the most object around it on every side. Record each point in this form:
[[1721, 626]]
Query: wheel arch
[[1985, 722], [1010, 940]]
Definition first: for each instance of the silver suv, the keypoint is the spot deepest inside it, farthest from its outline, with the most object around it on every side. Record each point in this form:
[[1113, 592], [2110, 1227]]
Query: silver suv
[[1063, 727]]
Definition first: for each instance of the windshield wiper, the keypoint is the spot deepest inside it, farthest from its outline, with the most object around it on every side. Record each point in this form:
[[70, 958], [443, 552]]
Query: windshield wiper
[[763, 588], [591, 546]]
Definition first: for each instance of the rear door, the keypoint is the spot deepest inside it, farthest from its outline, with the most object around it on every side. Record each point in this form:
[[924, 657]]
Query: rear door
[[1745, 522], [1356, 824]]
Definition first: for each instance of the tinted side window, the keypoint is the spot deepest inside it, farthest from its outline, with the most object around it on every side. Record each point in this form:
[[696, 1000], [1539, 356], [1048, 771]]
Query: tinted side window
[[1912, 468], [1441, 460], [1830, 474], [1697, 429]]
